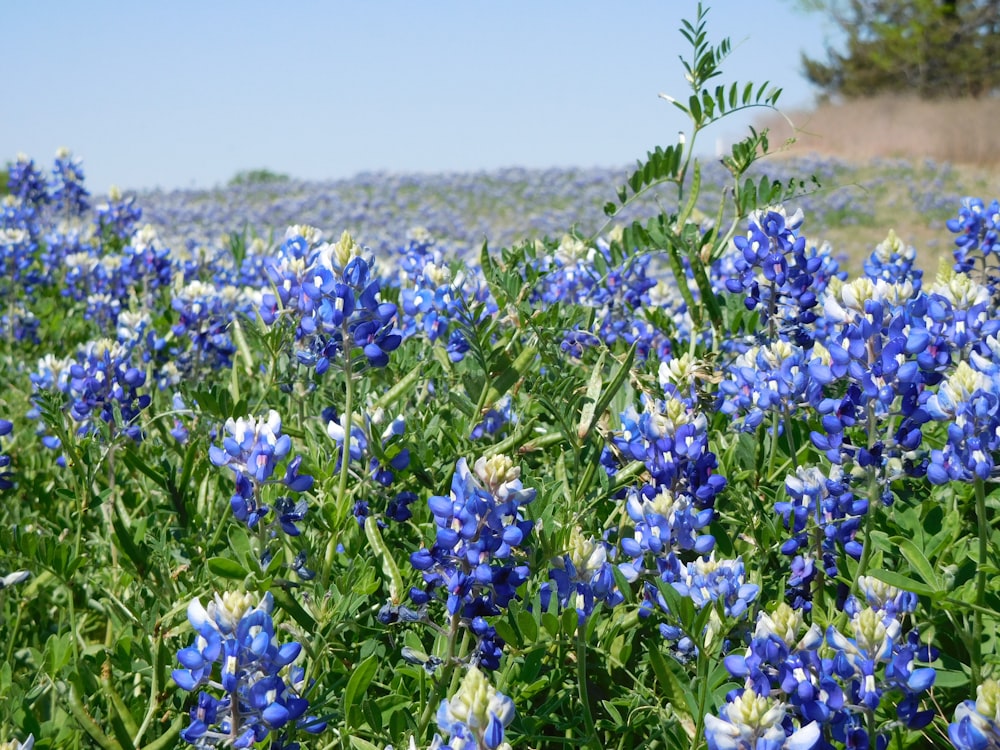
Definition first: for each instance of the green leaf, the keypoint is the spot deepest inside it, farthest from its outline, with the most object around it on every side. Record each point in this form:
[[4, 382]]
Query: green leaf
[[360, 679], [918, 562], [906, 583], [551, 624], [389, 567], [223, 566], [128, 545], [526, 622], [694, 107], [949, 678], [588, 415], [290, 605], [131, 459], [513, 373], [678, 698]]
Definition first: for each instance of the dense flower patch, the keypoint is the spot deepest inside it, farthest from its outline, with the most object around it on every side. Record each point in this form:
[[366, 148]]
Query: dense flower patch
[[684, 482]]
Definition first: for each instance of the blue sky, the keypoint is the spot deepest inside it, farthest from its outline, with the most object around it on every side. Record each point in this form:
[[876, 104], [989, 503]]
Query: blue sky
[[187, 93]]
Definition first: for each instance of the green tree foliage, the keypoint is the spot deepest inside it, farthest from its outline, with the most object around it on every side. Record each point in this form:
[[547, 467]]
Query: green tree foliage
[[934, 48], [257, 177]]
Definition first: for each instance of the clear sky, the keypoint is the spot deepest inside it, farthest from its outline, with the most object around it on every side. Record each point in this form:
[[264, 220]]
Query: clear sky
[[186, 93]]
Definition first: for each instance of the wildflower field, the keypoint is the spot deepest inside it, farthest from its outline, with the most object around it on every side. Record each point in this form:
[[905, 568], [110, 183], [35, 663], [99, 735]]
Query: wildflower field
[[298, 466]]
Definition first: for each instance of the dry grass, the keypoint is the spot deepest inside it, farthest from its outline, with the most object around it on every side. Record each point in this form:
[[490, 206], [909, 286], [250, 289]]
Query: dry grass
[[907, 162], [959, 131]]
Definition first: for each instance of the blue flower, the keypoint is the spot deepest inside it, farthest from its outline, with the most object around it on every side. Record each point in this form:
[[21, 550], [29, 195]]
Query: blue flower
[[476, 712], [473, 561], [976, 725], [6, 476], [331, 294], [236, 651], [750, 721], [253, 448], [26, 181], [584, 577], [970, 402], [67, 190], [104, 383], [118, 215]]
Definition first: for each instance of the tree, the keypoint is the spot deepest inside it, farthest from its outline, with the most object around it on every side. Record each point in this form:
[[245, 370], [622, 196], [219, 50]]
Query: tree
[[934, 48]]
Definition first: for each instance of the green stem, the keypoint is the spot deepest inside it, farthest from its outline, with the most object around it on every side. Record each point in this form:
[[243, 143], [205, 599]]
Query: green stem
[[85, 720], [790, 437], [446, 669], [13, 633], [581, 679], [703, 667], [873, 498], [154, 693], [977, 614], [168, 738], [345, 461], [775, 424]]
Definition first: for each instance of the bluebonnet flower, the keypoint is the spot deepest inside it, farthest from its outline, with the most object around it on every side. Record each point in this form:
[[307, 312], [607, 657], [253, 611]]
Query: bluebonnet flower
[[970, 402], [104, 384], [617, 291], [494, 419], [877, 644], [978, 230], [6, 477], [835, 680], [671, 509], [398, 508], [707, 580], [118, 215], [474, 556], [67, 190], [437, 299], [262, 691], [576, 342], [583, 576], [778, 377], [784, 655], [18, 249], [958, 313], [820, 505], [334, 299], [146, 266], [383, 460], [894, 262], [205, 313], [976, 725], [253, 449], [778, 275], [27, 182], [475, 717], [20, 323], [749, 721]]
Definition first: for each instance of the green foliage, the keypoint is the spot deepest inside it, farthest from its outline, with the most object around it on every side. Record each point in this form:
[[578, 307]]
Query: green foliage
[[251, 177], [679, 234], [934, 48]]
